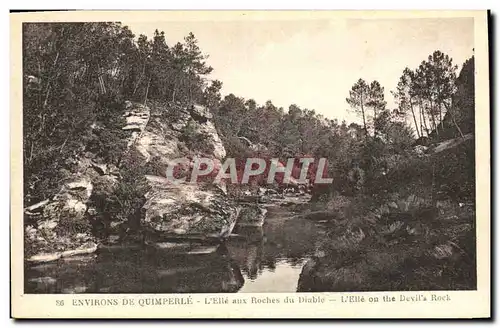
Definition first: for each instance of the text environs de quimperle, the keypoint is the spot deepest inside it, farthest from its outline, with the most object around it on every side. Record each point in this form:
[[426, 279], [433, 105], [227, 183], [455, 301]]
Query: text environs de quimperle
[[257, 300]]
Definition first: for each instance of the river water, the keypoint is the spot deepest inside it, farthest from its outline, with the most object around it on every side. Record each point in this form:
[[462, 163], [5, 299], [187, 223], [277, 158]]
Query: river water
[[266, 259]]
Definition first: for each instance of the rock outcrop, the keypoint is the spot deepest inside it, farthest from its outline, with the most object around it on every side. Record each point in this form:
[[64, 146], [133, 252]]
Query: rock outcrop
[[137, 117], [71, 200], [450, 143], [187, 211], [60, 226], [183, 210], [161, 137]]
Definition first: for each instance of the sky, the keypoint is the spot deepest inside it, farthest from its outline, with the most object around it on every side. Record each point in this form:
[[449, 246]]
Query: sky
[[314, 63]]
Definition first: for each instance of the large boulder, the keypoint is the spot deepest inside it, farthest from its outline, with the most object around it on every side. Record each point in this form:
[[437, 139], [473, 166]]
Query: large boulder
[[181, 120], [161, 137], [60, 227], [71, 201], [188, 211], [154, 143], [200, 113], [209, 131], [183, 210]]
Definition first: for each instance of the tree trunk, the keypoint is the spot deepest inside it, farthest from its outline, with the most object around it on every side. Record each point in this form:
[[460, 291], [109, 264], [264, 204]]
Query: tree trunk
[[47, 93], [364, 119], [140, 79], [414, 118], [434, 125], [456, 125], [46, 101], [147, 91], [176, 86], [31, 152], [102, 87], [420, 117], [190, 92], [433, 116], [454, 120], [441, 118], [425, 120]]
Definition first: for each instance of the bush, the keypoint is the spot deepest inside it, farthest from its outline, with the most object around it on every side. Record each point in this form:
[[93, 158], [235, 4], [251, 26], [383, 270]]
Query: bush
[[123, 203], [454, 172], [110, 141], [235, 148], [403, 244], [168, 111]]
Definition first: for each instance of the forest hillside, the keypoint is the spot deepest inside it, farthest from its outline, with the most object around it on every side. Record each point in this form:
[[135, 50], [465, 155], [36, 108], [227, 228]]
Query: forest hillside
[[104, 111]]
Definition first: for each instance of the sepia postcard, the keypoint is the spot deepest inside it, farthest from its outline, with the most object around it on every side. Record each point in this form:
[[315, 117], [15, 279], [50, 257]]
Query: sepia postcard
[[250, 164]]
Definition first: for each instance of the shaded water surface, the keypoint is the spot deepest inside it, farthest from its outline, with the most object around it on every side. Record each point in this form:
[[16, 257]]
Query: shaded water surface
[[266, 259]]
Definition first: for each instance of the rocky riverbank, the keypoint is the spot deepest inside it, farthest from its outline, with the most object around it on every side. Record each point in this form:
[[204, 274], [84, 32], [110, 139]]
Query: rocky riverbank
[[65, 224], [242, 262], [413, 236]]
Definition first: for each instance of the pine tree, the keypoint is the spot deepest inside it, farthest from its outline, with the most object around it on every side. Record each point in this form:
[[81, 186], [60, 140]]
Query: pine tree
[[359, 96]]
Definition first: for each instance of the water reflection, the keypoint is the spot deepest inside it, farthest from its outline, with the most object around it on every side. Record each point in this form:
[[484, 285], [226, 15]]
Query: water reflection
[[273, 262], [267, 259], [139, 271]]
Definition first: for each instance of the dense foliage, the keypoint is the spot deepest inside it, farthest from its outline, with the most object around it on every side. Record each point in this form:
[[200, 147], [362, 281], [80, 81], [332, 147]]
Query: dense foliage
[[77, 76], [433, 105]]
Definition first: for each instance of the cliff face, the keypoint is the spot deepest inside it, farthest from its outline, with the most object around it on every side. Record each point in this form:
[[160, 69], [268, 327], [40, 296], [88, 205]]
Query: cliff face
[[64, 224], [187, 210]]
